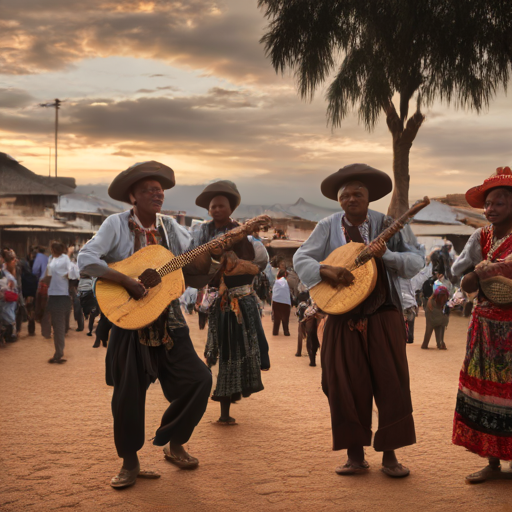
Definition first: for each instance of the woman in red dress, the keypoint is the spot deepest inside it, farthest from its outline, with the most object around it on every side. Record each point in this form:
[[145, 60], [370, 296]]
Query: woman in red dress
[[483, 414]]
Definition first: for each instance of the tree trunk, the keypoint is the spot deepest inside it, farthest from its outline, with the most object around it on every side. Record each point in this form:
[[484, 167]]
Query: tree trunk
[[402, 143]]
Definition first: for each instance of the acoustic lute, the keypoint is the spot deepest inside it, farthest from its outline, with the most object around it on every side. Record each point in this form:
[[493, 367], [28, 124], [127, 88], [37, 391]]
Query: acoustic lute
[[126, 312], [358, 258]]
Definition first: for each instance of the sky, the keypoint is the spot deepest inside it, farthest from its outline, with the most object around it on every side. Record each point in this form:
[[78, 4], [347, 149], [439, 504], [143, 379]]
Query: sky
[[188, 84]]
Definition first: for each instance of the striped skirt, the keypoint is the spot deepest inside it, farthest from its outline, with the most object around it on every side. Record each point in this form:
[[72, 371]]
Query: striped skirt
[[483, 414]]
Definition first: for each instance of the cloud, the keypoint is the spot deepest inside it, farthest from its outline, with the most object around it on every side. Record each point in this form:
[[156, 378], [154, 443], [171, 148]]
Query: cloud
[[166, 88], [123, 153], [218, 37], [15, 98]]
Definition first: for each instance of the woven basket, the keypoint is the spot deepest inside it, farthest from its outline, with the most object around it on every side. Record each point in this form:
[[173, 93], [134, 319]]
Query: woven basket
[[497, 289]]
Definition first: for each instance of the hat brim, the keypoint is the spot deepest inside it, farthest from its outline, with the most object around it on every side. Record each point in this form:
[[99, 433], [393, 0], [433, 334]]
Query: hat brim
[[377, 182], [205, 198], [476, 196], [120, 188]]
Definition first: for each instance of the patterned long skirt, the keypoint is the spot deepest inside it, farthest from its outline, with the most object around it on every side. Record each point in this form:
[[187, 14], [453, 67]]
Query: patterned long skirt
[[241, 349], [483, 414]]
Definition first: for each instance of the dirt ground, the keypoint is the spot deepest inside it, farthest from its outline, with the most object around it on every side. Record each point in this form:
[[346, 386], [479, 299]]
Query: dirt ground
[[57, 450]]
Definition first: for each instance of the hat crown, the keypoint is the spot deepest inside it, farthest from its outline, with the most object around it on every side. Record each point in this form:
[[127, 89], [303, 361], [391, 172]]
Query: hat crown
[[503, 171]]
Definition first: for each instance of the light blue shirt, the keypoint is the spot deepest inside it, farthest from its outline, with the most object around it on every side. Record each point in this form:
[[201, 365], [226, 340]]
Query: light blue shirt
[[39, 266], [115, 242], [281, 292], [404, 257]]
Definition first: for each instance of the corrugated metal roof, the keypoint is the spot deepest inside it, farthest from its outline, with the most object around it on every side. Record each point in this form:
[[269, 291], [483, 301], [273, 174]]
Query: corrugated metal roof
[[82, 203], [441, 229], [15, 179]]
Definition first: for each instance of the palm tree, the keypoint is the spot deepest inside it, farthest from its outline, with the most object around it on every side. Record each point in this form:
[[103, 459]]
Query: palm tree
[[458, 51]]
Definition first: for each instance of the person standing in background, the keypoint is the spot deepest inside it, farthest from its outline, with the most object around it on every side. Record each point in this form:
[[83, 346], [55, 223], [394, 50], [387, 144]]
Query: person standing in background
[[437, 317], [59, 301], [40, 262], [74, 279], [11, 291], [281, 304], [409, 306], [29, 285]]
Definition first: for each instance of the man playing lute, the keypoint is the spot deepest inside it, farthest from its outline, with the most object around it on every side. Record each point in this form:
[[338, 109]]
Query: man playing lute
[[163, 350], [364, 351]]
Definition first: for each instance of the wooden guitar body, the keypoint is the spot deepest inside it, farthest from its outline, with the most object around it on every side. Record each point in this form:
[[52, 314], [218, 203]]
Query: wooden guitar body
[[123, 311], [339, 301]]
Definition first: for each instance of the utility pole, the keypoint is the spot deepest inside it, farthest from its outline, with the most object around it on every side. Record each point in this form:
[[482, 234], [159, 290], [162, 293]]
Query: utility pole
[[55, 104]]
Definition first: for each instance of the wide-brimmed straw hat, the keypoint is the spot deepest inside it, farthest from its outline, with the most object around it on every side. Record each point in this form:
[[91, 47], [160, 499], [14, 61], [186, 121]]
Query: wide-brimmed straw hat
[[120, 188], [501, 178], [378, 183], [224, 188]]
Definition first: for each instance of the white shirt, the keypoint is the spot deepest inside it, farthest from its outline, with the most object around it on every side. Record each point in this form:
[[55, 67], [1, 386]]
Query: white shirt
[[281, 292], [115, 242], [59, 268]]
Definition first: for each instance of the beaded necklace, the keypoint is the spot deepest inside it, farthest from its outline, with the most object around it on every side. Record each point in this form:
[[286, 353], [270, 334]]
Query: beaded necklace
[[495, 244]]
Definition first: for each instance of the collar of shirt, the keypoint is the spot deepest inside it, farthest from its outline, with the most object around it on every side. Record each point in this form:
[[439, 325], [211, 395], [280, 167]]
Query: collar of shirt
[[364, 228], [156, 225]]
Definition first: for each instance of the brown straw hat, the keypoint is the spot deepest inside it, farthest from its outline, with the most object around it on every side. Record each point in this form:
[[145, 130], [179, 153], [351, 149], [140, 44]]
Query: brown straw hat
[[120, 188], [501, 178], [224, 188], [378, 183]]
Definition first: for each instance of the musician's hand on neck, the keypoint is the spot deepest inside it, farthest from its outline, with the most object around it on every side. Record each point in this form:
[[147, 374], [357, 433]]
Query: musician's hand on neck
[[378, 248], [337, 277]]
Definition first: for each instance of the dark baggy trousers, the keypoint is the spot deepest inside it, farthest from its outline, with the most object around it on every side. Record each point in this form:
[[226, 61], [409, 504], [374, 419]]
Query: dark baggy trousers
[[308, 329], [358, 368], [131, 367], [59, 307], [439, 332], [77, 309], [410, 330], [281, 313], [312, 341]]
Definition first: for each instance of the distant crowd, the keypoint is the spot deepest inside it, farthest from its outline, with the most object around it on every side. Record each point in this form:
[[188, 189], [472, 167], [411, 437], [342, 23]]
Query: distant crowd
[[45, 289]]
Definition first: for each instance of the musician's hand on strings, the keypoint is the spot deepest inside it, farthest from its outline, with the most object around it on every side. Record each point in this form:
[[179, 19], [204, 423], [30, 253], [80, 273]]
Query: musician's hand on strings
[[378, 248], [135, 289], [336, 276]]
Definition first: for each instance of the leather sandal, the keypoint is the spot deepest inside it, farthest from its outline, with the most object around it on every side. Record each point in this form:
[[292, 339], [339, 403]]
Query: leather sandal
[[488, 473], [184, 462], [126, 477], [351, 468], [397, 471], [230, 422]]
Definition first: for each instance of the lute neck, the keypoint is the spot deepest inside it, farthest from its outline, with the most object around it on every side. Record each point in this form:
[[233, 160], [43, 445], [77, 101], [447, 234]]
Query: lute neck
[[367, 253], [187, 257], [184, 259]]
